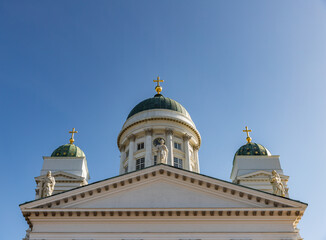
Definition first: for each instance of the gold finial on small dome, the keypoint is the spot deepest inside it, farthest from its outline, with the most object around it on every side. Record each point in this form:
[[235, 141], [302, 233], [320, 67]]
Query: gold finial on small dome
[[247, 131], [158, 88], [72, 140]]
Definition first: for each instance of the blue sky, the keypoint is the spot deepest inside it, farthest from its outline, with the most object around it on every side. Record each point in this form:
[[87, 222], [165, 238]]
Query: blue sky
[[86, 64]]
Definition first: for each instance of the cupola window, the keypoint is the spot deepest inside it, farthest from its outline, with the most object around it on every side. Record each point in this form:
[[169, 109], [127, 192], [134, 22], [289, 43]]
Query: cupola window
[[140, 163], [140, 146], [178, 163], [177, 145]]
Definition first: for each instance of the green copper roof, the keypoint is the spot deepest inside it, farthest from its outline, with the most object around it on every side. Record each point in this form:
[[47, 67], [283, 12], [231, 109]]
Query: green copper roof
[[158, 102], [252, 149], [68, 150]]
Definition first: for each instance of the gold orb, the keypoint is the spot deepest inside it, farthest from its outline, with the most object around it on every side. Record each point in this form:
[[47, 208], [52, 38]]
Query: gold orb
[[158, 89]]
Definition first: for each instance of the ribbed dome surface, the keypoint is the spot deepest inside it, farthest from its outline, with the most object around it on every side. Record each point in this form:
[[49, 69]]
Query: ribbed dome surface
[[68, 150], [253, 149], [158, 102]]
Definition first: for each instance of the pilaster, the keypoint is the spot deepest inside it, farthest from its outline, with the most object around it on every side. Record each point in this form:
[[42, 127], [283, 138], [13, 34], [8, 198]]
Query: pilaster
[[122, 158], [196, 148], [186, 139], [148, 147], [131, 161], [169, 144]]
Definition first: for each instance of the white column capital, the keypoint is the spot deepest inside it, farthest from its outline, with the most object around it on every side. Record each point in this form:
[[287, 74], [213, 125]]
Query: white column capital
[[131, 137], [169, 131], [149, 131], [186, 137], [122, 148]]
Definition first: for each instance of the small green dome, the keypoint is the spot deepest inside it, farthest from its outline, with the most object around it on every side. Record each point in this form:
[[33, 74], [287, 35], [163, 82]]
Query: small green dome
[[158, 102], [68, 150], [252, 149]]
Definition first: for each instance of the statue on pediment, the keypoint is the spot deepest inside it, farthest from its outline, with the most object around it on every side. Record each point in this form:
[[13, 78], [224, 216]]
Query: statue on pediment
[[47, 185], [278, 187]]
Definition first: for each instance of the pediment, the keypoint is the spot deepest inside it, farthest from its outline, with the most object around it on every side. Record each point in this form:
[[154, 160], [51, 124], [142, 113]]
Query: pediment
[[162, 193], [259, 175], [60, 175], [162, 187]]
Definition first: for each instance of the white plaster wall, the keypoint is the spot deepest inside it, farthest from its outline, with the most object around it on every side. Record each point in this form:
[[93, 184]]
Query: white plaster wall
[[162, 194], [248, 164], [73, 165]]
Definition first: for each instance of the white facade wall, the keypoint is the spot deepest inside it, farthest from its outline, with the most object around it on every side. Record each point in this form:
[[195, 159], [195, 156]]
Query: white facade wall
[[164, 228], [74, 165], [163, 202]]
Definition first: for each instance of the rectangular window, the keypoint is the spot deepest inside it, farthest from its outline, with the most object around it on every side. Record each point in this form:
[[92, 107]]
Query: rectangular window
[[126, 169], [140, 163], [177, 145], [127, 154], [140, 146], [155, 160], [178, 162]]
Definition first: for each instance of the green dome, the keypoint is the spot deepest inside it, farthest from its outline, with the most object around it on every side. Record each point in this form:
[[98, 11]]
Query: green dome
[[253, 149], [68, 150], [158, 102]]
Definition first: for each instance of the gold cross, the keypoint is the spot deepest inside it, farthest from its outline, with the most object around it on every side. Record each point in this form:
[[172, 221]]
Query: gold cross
[[72, 135], [247, 131], [158, 88]]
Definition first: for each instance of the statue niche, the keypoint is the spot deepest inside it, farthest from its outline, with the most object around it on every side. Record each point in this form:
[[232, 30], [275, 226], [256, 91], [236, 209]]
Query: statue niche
[[161, 151]]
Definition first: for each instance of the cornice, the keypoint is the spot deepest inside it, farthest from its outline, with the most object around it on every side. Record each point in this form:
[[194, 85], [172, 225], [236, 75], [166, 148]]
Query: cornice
[[191, 214], [258, 180], [158, 119], [261, 173]]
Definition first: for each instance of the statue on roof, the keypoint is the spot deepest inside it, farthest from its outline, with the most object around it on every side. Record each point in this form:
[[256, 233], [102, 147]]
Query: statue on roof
[[47, 185], [278, 187]]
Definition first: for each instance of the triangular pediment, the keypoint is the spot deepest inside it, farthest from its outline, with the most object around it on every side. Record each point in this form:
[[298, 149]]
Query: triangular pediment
[[162, 187], [60, 175], [163, 193], [260, 174]]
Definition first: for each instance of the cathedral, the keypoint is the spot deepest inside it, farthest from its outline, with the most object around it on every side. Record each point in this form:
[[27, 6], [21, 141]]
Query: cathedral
[[159, 193]]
